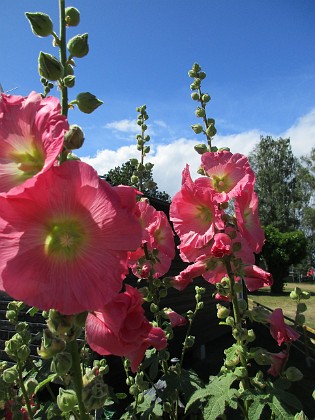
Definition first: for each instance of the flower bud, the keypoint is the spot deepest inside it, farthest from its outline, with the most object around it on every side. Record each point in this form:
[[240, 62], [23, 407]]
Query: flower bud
[[11, 315], [41, 23], [222, 311], [192, 74], [202, 75], [206, 97], [197, 128], [72, 16], [300, 319], [242, 304], [74, 137], [200, 112], [189, 342], [251, 336], [240, 372], [262, 357], [69, 81], [49, 66], [196, 68], [94, 394], [87, 102], [50, 345], [211, 130], [301, 307], [194, 95], [10, 375], [61, 363], [66, 400], [133, 162], [30, 386], [230, 321], [293, 374], [23, 352], [134, 179], [305, 295], [78, 46]]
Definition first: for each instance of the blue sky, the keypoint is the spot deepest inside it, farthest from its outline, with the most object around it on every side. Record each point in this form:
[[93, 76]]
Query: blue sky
[[259, 57]]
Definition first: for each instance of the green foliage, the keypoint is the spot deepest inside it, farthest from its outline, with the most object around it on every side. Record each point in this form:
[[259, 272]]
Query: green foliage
[[280, 251], [218, 395], [282, 183], [122, 175]]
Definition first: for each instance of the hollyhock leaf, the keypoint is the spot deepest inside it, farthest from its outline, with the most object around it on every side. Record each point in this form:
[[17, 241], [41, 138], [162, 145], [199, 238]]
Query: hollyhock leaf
[[69, 236], [31, 133]]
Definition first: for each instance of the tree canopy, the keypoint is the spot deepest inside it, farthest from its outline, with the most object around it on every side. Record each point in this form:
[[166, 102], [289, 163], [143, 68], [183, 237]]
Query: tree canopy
[[124, 175]]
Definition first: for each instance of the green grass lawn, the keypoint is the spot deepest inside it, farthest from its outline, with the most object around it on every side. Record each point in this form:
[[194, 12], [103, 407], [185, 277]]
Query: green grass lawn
[[283, 301]]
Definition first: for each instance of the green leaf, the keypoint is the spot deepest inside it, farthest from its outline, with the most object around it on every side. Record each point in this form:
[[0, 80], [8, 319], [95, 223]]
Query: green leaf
[[32, 311], [49, 379], [217, 393], [279, 410], [256, 407]]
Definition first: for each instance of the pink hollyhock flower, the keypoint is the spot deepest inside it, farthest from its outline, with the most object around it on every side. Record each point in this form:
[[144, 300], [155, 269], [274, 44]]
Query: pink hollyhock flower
[[221, 297], [221, 245], [176, 319], [157, 235], [255, 277], [281, 332], [277, 362], [121, 329], [228, 173], [185, 277], [195, 216], [246, 213], [31, 134], [64, 242]]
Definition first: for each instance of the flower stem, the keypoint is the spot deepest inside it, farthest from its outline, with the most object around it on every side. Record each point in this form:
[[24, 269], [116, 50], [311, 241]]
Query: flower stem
[[24, 392], [63, 55], [77, 378]]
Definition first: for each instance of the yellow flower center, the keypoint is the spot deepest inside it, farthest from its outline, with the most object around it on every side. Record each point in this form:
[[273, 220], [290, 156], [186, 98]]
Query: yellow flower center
[[64, 239], [29, 161], [204, 214], [219, 183]]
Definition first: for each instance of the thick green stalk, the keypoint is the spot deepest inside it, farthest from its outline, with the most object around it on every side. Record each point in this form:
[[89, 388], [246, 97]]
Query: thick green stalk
[[63, 55], [24, 392], [77, 378]]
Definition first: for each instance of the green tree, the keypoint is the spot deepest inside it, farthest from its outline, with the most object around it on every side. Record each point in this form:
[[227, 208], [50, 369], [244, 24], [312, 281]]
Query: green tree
[[123, 175], [280, 251], [285, 186], [279, 183]]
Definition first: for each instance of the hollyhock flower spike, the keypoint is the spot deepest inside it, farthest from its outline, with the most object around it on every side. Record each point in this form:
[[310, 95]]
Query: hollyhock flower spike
[[157, 235], [64, 242], [246, 213], [31, 134], [228, 173], [195, 216], [281, 332], [121, 329]]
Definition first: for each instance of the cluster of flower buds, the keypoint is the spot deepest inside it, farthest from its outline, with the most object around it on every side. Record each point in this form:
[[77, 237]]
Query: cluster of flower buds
[[51, 69], [208, 127], [140, 168]]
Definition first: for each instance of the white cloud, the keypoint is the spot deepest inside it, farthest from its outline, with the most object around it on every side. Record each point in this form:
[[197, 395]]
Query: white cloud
[[126, 126], [302, 134], [109, 159], [170, 159]]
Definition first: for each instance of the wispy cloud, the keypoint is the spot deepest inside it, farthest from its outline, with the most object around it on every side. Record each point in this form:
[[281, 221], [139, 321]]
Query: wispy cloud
[[302, 134], [125, 126], [170, 158]]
